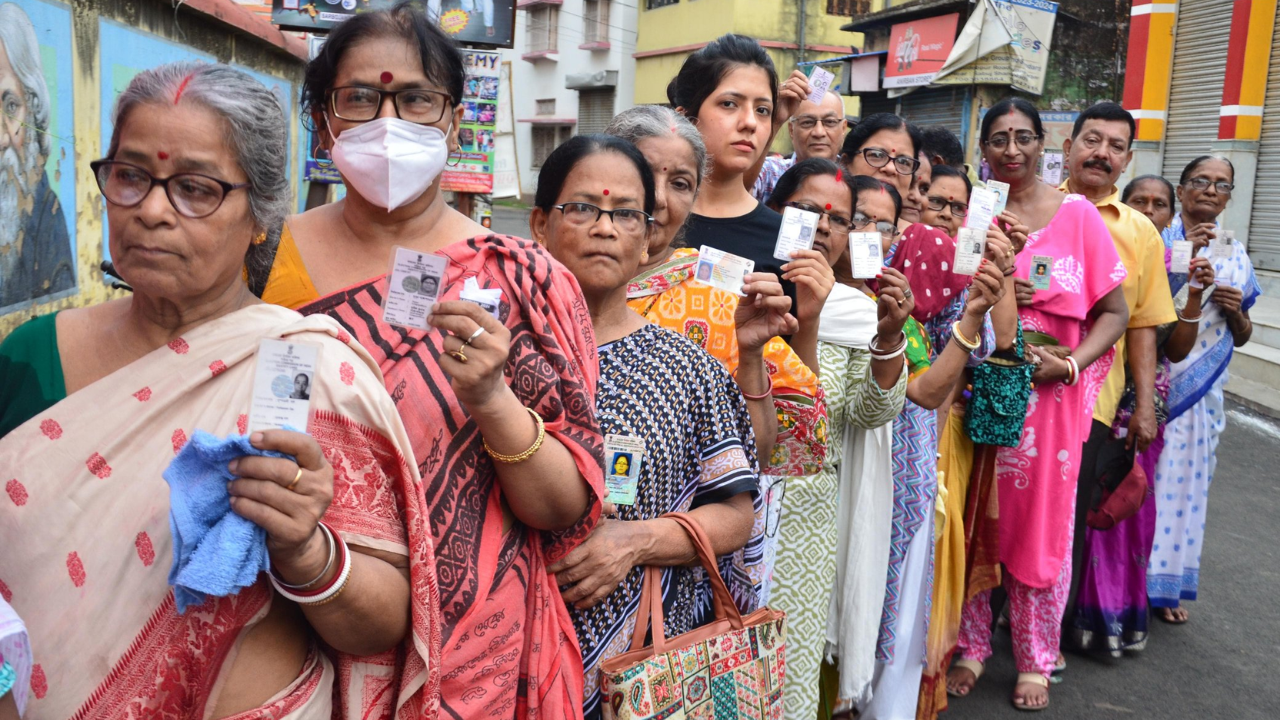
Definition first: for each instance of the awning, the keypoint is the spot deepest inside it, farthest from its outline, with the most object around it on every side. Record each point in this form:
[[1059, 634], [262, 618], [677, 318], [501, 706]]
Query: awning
[[590, 81]]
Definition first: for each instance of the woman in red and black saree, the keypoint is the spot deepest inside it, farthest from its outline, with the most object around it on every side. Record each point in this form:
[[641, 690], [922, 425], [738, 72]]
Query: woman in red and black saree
[[499, 405], [98, 401]]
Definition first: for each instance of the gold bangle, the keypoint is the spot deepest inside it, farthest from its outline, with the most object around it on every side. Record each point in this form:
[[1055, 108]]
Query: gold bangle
[[334, 596], [521, 457]]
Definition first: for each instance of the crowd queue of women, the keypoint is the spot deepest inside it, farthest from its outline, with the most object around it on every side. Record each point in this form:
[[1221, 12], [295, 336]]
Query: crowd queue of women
[[439, 539]]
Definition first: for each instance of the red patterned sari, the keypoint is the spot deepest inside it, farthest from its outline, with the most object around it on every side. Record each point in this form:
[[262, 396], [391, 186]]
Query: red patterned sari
[[509, 644], [87, 543]]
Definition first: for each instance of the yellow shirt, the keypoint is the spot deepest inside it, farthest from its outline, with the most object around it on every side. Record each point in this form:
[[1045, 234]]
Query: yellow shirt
[[289, 284], [1146, 288]]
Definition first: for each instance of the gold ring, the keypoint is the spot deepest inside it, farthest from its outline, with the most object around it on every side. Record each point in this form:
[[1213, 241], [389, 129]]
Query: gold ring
[[458, 355], [1009, 252], [296, 478]]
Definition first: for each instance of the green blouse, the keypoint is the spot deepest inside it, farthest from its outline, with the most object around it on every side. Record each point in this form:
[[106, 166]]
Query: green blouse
[[30, 372]]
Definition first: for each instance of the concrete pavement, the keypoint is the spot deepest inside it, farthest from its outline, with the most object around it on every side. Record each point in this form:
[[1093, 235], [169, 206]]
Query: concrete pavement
[[511, 221]]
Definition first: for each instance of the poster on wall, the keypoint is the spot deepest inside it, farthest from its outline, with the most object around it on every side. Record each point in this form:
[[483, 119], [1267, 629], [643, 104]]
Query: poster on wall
[[37, 173], [918, 49], [486, 22], [1021, 63], [471, 168]]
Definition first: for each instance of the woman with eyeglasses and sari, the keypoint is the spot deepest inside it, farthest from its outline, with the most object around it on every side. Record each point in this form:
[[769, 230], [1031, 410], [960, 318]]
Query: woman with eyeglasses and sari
[[97, 401], [1217, 307], [678, 432], [499, 407], [1084, 310]]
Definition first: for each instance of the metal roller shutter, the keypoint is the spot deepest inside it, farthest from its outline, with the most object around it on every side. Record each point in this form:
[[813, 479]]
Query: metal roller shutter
[[1264, 226], [935, 106], [1199, 70], [595, 110]]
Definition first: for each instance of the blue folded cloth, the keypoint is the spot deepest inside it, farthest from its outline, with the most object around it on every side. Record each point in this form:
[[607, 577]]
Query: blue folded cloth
[[215, 551]]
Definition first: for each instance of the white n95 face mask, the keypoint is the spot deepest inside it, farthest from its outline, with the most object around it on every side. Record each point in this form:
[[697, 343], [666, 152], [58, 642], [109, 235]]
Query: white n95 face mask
[[390, 161]]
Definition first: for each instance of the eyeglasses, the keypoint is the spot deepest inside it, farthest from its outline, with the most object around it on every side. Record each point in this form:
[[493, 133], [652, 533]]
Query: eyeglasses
[[1001, 140], [878, 158], [357, 103], [839, 223], [809, 122], [884, 227], [936, 203], [628, 220], [193, 195], [1203, 183]]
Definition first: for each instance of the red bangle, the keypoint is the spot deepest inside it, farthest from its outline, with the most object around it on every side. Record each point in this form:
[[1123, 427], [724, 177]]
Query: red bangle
[[768, 393], [341, 561]]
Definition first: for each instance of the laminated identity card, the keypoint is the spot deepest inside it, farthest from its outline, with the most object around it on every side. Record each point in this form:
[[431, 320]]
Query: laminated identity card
[[796, 233], [1220, 246], [1181, 256], [866, 255], [982, 209], [819, 83], [413, 284], [970, 245], [1041, 271], [1001, 190], [623, 455], [282, 384], [722, 270]]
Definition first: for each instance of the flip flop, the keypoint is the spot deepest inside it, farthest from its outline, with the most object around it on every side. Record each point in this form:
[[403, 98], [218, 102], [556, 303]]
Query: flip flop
[[1030, 678], [972, 666]]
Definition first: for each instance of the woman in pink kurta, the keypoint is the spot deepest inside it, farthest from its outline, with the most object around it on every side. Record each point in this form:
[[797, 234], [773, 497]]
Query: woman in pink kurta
[[1068, 278]]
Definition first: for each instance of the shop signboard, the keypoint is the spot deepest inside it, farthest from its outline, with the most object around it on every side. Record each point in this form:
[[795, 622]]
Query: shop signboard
[[470, 169], [479, 22], [918, 49]]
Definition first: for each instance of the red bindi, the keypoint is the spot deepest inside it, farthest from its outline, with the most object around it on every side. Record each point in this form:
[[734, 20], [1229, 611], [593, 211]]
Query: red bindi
[[386, 77], [162, 155], [606, 191], [828, 206]]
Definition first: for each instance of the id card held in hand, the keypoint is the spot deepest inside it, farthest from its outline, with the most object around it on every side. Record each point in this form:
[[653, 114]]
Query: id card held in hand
[[1041, 271], [413, 284], [1180, 261], [1001, 189], [971, 243], [1220, 247], [866, 255], [623, 456], [722, 270], [796, 233], [282, 384], [982, 209], [819, 84]]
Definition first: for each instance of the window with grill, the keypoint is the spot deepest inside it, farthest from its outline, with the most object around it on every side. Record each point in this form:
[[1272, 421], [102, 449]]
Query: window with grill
[[545, 107], [544, 22], [547, 138], [595, 21], [651, 4], [848, 8]]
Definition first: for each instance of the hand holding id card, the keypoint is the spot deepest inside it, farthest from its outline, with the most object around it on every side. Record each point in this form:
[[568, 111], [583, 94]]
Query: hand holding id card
[[282, 384], [413, 285], [623, 456], [866, 254], [1001, 189], [1220, 246], [971, 243], [1041, 272], [797, 232], [722, 270], [819, 83]]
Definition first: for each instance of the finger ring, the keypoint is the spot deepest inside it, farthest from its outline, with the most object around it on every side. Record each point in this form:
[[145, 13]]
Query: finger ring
[[479, 331], [458, 355], [899, 302], [296, 478], [906, 293], [1009, 252]]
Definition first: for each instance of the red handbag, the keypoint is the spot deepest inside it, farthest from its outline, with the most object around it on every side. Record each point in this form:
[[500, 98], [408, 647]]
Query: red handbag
[[1121, 503]]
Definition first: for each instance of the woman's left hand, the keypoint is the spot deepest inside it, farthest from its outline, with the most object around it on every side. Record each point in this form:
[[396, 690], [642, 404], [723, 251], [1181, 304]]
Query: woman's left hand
[[986, 289], [1227, 298], [763, 313], [265, 494], [1000, 249], [474, 361], [1050, 368], [1015, 229], [814, 279], [596, 567], [791, 93], [894, 306]]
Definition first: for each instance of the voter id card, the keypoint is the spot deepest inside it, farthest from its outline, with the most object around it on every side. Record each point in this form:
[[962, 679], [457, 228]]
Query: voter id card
[[982, 209], [796, 233], [971, 243], [1041, 271], [819, 83], [722, 270], [1001, 189], [1181, 255], [282, 382], [623, 456], [1220, 246], [866, 255], [413, 285]]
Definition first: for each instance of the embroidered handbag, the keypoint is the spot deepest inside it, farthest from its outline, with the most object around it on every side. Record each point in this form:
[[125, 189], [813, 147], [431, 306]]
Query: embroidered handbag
[[997, 405], [730, 668]]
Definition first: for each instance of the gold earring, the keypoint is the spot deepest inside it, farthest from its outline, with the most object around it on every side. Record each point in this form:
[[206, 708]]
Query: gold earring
[[259, 238], [644, 256]]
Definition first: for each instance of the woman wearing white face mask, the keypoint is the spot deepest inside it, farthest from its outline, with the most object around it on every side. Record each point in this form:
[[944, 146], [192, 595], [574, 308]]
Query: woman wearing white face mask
[[498, 407]]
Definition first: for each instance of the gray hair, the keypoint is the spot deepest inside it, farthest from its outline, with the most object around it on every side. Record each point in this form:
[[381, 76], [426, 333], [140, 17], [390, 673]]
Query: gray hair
[[645, 121], [18, 38], [256, 131]]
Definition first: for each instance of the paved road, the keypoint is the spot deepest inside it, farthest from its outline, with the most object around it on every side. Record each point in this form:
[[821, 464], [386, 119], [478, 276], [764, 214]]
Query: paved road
[[511, 221], [1221, 664]]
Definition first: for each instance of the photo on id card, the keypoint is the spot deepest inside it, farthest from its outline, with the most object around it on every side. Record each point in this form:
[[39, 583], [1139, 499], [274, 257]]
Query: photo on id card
[[282, 380], [414, 282], [722, 270]]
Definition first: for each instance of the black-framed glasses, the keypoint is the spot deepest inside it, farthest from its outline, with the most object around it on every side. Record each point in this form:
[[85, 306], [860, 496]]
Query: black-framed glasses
[[884, 227], [1000, 141], [809, 122], [879, 157], [937, 202], [838, 222], [627, 220], [1202, 183], [193, 195], [357, 103]]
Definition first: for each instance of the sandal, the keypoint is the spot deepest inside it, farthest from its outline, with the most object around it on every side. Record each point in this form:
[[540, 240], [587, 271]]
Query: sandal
[[1020, 702], [972, 666], [1166, 615]]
